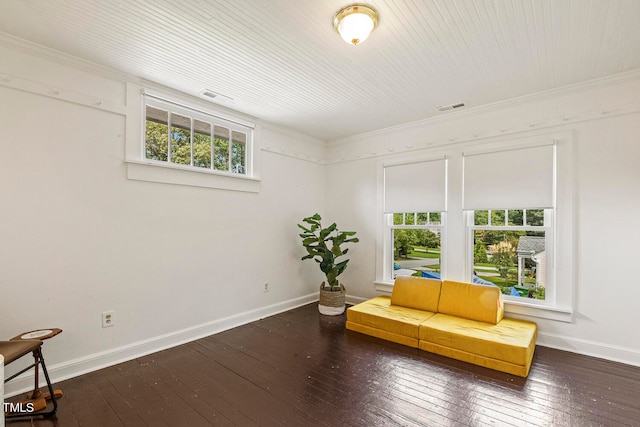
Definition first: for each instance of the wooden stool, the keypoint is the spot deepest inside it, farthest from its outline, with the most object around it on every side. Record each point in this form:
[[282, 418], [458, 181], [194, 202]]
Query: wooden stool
[[39, 334]]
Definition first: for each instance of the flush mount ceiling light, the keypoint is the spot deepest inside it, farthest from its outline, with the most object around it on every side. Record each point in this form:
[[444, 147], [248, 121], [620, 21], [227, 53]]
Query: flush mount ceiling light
[[354, 23]]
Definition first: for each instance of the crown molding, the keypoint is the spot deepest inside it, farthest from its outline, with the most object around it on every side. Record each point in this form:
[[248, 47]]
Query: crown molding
[[50, 54], [294, 134], [455, 115], [293, 144], [529, 127]]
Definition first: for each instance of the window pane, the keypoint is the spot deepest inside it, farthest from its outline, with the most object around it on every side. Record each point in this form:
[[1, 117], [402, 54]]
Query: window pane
[[435, 218], [398, 219], [535, 217], [515, 217], [497, 217], [157, 134], [422, 218], [416, 252], [180, 139], [480, 217], [220, 148], [516, 264], [238, 152], [201, 144], [409, 218]]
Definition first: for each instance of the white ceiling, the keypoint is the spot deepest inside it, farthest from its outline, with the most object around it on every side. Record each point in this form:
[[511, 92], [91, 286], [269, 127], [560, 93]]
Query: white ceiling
[[282, 61]]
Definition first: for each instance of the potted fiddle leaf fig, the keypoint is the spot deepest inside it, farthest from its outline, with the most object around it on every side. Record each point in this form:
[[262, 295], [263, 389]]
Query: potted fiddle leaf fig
[[325, 245]]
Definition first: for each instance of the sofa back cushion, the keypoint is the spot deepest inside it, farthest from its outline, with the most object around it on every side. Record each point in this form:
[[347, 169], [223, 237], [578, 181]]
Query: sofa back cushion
[[416, 292], [470, 301]]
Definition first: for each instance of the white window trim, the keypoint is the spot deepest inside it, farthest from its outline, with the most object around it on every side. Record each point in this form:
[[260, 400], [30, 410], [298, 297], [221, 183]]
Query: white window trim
[[140, 168]]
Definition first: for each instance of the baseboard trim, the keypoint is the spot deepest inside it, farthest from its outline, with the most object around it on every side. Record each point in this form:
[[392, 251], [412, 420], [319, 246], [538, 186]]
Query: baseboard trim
[[96, 361], [350, 299], [625, 355]]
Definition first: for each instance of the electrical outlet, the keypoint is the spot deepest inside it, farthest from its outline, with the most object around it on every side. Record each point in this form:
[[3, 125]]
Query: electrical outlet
[[108, 318], [266, 286]]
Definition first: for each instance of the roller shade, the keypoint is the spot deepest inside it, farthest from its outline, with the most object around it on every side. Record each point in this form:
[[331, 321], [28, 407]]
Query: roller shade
[[415, 187], [520, 178]]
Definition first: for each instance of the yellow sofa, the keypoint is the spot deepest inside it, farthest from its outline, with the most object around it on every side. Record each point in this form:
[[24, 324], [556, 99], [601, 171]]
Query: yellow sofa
[[463, 321]]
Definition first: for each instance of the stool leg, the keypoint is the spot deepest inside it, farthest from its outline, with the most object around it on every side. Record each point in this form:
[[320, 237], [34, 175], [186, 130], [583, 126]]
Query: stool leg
[[36, 385], [49, 386]]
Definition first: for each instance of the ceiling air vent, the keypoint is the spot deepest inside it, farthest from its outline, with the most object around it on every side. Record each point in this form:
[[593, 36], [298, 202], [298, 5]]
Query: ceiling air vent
[[451, 107], [214, 96]]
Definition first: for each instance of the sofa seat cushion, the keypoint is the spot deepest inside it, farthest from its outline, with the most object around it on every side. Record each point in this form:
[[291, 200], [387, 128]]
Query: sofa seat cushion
[[379, 318], [511, 340]]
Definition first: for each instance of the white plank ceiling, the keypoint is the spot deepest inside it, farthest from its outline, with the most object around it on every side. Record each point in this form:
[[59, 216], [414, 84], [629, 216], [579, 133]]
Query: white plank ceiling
[[282, 61]]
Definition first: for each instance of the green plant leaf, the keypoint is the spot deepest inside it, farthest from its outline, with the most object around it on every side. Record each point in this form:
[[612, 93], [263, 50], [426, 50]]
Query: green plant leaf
[[304, 228], [327, 231], [340, 267]]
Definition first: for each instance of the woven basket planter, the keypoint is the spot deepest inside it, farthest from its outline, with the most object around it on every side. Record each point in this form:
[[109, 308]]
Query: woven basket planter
[[332, 303]]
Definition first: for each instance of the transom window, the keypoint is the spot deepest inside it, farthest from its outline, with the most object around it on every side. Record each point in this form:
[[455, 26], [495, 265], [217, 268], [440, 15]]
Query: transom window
[[177, 135]]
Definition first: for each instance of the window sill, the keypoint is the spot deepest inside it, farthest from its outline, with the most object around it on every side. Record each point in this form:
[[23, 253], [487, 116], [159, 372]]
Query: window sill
[[179, 175], [385, 287], [519, 308]]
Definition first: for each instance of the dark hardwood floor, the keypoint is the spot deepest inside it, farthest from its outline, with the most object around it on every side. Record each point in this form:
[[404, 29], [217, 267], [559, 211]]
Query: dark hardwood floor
[[302, 369]]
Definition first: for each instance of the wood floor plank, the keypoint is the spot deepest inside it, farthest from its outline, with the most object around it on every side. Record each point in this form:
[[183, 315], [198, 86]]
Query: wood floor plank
[[303, 369]]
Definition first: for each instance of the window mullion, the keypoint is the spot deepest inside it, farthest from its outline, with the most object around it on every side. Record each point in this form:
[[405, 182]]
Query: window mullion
[[230, 150], [211, 134], [191, 138], [169, 137]]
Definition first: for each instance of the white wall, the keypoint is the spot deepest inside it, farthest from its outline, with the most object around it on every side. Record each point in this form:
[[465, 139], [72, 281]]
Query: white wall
[[604, 119], [175, 262]]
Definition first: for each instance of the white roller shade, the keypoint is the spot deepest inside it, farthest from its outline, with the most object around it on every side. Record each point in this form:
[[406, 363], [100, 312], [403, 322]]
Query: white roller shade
[[520, 178], [415, 187]]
